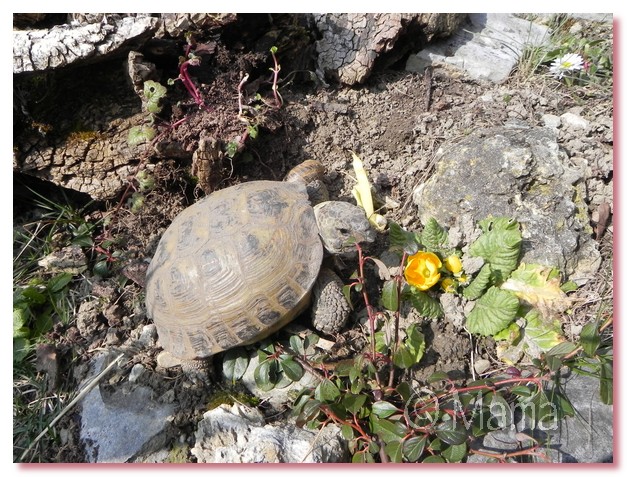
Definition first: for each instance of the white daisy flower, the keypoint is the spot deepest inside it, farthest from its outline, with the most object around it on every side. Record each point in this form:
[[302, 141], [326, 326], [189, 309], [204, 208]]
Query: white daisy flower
[[566, 63]]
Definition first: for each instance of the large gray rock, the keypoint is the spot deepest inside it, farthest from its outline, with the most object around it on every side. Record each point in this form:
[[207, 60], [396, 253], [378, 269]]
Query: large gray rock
[[487, 48], [122, 425], [587, 437], [237, 434], [518, 172]]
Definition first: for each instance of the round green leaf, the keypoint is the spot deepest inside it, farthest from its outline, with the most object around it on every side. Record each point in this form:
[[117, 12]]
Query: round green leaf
[[292, 369]]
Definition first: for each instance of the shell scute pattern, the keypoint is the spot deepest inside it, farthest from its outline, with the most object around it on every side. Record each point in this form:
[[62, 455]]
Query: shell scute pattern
[[233, 268]]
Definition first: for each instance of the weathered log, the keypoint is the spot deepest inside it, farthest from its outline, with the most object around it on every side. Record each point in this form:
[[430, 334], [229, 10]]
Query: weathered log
[[62, 45], [351, 43]]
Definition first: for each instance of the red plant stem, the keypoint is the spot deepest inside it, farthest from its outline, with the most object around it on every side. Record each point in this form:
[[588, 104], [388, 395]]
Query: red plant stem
[[189, 84]]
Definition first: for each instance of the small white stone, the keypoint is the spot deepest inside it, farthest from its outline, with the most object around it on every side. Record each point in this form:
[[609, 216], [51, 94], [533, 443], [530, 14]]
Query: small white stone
[[136, 372], [574, 121], [551, 121]]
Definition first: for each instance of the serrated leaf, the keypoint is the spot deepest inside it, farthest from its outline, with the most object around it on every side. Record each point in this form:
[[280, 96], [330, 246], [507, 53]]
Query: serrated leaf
[[455, 453], [532, 285], [499, 245], [326, 391], [384, 409], [479, 284], [451, 432], [413, 447], [235, 363], [424, 303], [589, 339], [389, 295], [542, 333], [433, 237], [402, 240], [21, 348], [293, 370], [495, 310]]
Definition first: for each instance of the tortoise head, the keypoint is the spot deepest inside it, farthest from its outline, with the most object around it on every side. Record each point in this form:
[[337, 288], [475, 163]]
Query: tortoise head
[[341, 225]]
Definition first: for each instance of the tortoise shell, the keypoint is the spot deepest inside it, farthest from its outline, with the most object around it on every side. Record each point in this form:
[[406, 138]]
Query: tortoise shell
[[233, 268]]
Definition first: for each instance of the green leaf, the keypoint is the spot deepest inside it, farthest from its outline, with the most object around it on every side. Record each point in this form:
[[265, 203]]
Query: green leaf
[[21, 348], [562, 349], [326, 391], [424, 304], [413, 447], [347, 432], [543, 333], [455, 453], [569, 286], [297, 345], [479, 284], [451, 432], [153, 92], [21, 316], [499, 245], [394, 451], [235, 363], [140, 134], [354, 403], [389, 295], [500, 411], [291, 368], [522, 391], [492, 312], [388, 431], [412, 349], [32, 296], [433, 236], [434, 459], [401, 240], [264, 375], [589, 339], [384, 409], [607, 383]]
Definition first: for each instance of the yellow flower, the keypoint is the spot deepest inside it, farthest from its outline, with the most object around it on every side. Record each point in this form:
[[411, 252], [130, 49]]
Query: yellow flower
[[448, 285], [453, 264], [422, 270]]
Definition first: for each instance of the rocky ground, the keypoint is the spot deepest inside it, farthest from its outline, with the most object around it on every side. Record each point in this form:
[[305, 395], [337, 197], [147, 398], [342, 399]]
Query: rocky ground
[[396, 122]]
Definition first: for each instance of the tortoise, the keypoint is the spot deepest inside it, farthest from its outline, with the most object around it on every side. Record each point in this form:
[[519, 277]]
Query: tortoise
[[239, 264]]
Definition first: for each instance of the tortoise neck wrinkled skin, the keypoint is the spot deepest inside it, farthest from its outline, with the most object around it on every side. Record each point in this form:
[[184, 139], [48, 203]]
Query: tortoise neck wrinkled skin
[[341, 225]]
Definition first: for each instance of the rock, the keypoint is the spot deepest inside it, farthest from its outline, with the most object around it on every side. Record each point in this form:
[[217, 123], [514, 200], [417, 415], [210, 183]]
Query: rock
[[237, 434], [574, 121], [70, 259], [586, 437], [518, 172], [487, 49], [64, 45], [122, 425], [280, 396], [351, 43]]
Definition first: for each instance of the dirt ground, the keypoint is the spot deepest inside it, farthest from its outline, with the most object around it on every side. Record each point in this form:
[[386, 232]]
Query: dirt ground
[[395, 123]]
